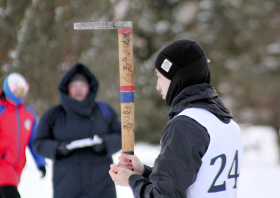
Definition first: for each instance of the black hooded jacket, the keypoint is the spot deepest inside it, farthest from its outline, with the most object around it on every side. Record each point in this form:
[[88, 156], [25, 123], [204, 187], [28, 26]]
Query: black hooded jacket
[[82, 174], [183, 144]]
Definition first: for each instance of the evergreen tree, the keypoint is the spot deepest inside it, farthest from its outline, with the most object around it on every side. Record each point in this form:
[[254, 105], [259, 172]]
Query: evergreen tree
[[241, 38]]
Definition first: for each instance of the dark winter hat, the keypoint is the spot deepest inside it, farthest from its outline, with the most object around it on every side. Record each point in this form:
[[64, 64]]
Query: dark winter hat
[[185, 64], [78, 77]]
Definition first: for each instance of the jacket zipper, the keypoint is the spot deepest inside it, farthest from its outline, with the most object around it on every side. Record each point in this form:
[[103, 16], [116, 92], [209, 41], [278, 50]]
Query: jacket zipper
[[18, 138]]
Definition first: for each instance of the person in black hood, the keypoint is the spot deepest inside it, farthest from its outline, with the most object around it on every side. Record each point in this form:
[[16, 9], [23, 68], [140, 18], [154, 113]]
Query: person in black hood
[[201, 145], [79, 135]]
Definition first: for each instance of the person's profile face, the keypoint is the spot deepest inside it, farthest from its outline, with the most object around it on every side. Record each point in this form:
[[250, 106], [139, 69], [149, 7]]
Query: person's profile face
[[162, 84], [78, 90]]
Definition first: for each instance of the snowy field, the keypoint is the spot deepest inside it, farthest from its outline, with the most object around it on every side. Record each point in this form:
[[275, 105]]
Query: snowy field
[[259, 176]]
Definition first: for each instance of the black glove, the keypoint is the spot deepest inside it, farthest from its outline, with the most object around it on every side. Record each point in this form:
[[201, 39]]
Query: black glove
[[43, 171], [61, 150], [99, 149]]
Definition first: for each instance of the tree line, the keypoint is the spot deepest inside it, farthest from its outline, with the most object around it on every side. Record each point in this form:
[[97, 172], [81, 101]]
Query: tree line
[[240, 38]]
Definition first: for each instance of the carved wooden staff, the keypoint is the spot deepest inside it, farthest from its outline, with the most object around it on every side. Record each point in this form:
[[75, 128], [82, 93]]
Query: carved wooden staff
[[126, 76]]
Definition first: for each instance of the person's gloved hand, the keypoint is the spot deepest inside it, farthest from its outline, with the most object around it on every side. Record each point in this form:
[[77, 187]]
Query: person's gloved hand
[[61, 150], [43, 171], [98, 148]]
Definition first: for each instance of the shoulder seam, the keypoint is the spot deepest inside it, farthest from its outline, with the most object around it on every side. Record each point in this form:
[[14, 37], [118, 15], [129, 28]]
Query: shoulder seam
[[30, 110]]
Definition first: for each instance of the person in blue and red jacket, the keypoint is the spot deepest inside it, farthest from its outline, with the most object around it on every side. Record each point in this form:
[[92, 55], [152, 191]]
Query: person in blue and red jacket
[[17, 130]]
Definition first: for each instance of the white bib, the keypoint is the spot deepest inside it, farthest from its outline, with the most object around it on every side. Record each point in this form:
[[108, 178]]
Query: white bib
[[219, 171]]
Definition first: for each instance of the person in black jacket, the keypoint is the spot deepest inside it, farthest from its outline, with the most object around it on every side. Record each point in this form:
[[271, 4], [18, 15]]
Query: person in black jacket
[[79, 139], [201, 145]]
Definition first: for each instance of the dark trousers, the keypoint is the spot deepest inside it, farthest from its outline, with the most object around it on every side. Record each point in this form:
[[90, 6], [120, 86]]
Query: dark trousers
[[9, 192]]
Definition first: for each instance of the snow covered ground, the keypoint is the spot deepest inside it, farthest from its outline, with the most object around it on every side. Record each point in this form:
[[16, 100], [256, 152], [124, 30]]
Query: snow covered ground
[[259, 176]]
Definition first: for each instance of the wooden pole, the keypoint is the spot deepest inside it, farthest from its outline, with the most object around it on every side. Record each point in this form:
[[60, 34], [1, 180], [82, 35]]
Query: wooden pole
[[126, 89], [126, 76]]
